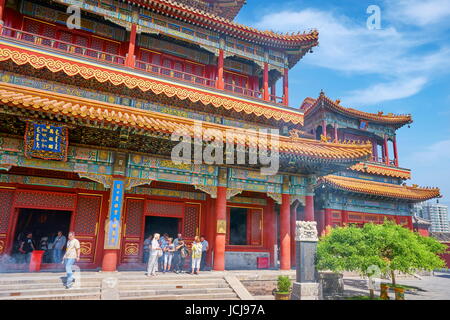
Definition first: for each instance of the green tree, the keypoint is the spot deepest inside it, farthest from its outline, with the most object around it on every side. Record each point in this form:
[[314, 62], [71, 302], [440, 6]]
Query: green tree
[[388, 246]]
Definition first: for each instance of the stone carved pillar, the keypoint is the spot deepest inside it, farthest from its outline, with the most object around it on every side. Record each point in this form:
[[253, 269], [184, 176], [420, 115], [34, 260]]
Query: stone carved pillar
[[306, 286]]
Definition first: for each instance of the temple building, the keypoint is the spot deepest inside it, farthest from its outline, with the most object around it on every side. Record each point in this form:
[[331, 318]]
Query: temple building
[[92, 94]]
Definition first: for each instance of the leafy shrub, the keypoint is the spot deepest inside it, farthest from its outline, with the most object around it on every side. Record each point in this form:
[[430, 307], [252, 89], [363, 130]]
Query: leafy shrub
[[284, 284]]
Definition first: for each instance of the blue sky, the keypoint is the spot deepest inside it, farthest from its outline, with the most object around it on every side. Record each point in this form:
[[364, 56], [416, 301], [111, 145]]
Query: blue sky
[[404, 67]]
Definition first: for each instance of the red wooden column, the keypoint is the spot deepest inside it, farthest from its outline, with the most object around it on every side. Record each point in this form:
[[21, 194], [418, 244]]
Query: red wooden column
[[210, 222], [286, 87], [273, 92], [344, 216], [395, 152], [220, 82], [270, 224], [2, 9], [410, 223], [309, 208], [221, 218], [321, 222], [285, 232], [386, 151], [335, 132], [327, 213], [292, 225], [324, 128], [266, 82], [130, 60]]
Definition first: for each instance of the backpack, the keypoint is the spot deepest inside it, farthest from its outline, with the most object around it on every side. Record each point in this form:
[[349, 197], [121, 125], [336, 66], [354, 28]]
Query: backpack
[[184, 252]]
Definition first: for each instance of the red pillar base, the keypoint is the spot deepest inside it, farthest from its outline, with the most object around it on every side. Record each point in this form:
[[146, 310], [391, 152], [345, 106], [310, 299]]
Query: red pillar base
[[219, 253], [110, 258]]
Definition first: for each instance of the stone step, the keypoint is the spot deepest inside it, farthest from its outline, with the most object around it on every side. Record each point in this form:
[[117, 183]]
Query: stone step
[[56, 291], [25, 286], [159, 292], [199, 296], [166, 276], [52, 281], [151, 280], [164, 286], [94, 295]]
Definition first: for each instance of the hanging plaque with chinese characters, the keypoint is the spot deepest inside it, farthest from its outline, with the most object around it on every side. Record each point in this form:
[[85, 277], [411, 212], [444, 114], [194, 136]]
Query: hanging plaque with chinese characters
[[46, 140]]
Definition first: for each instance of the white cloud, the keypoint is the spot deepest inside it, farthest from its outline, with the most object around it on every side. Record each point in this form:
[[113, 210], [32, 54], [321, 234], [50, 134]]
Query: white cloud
[[385, 91], [419, 12], [350, 47], [436, 154], [431, 166]]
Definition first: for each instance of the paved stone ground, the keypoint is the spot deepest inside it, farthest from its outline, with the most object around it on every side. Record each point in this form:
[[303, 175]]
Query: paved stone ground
[[435, 287]]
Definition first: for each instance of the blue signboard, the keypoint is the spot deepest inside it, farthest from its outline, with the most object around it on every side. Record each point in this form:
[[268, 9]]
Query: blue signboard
[[47, 138], [115, 212]]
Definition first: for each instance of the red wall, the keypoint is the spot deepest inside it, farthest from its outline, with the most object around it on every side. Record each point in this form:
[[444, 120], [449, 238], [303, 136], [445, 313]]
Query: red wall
[[446, 256]]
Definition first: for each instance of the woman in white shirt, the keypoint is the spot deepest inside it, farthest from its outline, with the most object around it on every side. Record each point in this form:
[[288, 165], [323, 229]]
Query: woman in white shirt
[[155, 252]]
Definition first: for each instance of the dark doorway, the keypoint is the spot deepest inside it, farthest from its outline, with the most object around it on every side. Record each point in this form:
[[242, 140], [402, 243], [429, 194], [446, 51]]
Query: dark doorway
[[162, 225], [238, 226], [44, 225]]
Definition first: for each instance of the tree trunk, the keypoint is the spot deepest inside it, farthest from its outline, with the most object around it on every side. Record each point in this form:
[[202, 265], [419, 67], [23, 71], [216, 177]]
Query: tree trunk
[[371, 294], [393, 277]]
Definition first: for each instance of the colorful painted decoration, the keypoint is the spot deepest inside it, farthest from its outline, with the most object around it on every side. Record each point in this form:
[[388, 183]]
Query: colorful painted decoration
[[363, 125], [46, 140]]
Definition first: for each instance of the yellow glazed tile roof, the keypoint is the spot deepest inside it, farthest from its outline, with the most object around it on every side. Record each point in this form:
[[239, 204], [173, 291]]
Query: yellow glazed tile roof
[[131, 81], [381, 189], [66, 105], [211, 20], [382, 170], [379, 117]]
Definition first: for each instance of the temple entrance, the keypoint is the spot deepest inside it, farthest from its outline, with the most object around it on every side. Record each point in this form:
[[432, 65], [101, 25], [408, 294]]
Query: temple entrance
[[162, 225], [44, 225]]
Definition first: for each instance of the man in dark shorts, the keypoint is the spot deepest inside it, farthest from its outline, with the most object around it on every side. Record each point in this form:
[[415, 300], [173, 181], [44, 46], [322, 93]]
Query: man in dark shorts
[[27, 246]]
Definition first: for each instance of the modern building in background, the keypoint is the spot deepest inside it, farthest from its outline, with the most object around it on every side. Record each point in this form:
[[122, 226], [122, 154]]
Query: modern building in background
[[436, 213]]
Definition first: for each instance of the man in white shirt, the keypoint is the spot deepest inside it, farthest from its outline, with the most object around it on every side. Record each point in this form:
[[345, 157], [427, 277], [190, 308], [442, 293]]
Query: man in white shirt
[[72, 255]]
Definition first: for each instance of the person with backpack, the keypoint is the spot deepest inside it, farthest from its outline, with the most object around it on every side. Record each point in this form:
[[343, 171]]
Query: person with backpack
[[181, 252]]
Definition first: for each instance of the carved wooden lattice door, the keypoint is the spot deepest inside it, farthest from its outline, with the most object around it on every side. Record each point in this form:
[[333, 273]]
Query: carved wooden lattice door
[[86, 224], [132, 233], [6, 200], [191, 223]]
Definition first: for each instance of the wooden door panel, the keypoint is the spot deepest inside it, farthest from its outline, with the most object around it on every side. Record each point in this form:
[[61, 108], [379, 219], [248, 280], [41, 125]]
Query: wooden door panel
[[256, 227], [86, 224], [132, 243]]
